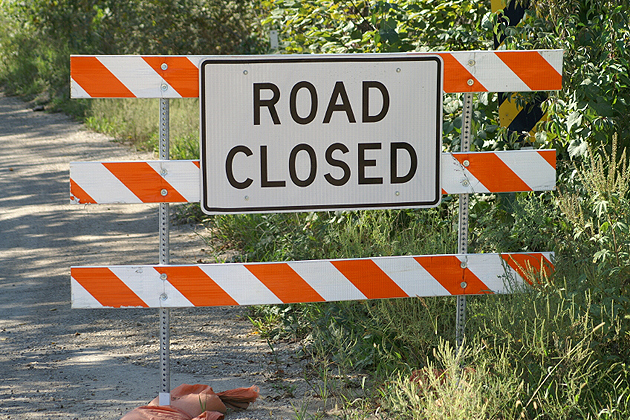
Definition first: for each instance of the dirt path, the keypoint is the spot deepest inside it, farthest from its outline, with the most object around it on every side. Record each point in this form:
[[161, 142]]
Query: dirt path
[[86, 364]]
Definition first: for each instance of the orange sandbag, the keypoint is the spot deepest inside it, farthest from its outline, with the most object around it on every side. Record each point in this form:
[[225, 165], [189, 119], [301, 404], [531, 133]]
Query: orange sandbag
[[164, 412], [210, 415], [195, 402], [194, 399], [239, 398]]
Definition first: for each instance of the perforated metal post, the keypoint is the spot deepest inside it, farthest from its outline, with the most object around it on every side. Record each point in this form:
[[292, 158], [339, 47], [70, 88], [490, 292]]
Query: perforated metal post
[[462, 234], [165, 374]]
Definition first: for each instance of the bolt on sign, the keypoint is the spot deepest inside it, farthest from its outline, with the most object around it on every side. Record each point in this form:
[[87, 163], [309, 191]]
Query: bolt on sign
[[295, 133]]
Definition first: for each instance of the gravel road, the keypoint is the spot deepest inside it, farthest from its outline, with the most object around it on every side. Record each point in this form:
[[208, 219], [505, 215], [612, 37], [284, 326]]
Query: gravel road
[[59, 363]]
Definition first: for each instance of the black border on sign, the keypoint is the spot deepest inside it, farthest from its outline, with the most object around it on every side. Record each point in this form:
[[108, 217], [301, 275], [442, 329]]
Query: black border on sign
[[310, 59]]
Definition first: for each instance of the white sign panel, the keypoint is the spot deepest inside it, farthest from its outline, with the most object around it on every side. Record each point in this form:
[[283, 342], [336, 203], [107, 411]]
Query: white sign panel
[[320, 132]]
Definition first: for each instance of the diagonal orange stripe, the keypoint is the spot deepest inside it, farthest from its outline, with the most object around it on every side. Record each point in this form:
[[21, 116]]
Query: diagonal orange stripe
[[181, 74], [96, 80], [456, 76], [284, 282], [369, 279], [523, 263], [549, 156], [78, 193], [492, 172], [196, 286], [532, 69], [447, 270], [144, 182], [197, 163], [106, 287]]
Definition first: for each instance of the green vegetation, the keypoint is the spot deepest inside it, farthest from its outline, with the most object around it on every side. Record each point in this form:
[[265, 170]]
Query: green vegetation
[[136, 121], [38, 37], [557, 350]]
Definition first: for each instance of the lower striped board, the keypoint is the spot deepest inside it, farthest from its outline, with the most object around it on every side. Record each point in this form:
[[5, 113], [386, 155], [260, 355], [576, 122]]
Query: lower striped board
[[158, 286], [178, 181]]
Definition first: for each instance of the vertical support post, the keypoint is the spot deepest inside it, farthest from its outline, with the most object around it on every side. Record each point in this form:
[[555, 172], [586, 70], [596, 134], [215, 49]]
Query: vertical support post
[[462, 234], [165, 375], [273, 41]]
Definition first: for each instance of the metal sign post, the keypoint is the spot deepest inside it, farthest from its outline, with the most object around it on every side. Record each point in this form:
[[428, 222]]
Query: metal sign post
[[462, 234], [165, 387]]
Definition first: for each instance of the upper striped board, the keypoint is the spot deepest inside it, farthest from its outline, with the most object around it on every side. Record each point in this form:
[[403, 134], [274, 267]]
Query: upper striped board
[[177, 181], [304, 281], [135, 76]]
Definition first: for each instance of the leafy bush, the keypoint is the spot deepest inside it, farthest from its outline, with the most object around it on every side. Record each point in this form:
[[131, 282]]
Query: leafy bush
[[38, 35], [560, 348], [595, 99], [329, 26]]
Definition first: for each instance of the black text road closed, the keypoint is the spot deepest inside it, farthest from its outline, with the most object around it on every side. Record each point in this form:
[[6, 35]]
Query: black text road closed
[[327, 132]]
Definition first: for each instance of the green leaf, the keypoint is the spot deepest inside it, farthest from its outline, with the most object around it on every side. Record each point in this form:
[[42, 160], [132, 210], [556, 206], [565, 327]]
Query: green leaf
[[575, 118]]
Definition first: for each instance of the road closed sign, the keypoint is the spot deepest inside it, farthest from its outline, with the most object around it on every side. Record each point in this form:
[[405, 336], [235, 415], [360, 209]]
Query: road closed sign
[[320, 132]]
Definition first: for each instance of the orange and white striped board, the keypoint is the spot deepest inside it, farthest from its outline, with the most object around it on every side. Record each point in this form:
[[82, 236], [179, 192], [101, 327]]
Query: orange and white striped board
[[135, 76], [497, 172], [154, 181], [304, 281], [177, 181]]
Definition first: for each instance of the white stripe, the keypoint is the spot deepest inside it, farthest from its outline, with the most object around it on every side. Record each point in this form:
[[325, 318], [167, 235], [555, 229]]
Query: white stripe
[[531, 167], [326, 280], [196, 59], [96, 180], [554, 58], [183, 175], [490, 269], [145, 282], [458, 180], [410, 276], [76, 91], [174, 298], [138, 76], [491, 72], [81, 298], [238, 282]]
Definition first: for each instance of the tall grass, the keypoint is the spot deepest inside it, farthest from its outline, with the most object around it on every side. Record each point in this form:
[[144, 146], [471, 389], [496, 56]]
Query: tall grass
[[136, 121], [557, 350], [560, 350]]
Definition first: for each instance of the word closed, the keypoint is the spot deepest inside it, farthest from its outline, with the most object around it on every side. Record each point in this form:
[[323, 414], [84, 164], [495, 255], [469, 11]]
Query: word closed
[[320, 132]]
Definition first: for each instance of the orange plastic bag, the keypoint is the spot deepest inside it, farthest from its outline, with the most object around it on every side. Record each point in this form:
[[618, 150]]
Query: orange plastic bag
[[239, 398], [210, 415], [195, 402], [154, 412], [194, 399]]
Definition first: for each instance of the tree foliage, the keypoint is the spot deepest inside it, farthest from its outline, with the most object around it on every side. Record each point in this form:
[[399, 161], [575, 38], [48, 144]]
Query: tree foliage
[[348, 26], [595, 36], [41, 34], [595, 99]]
